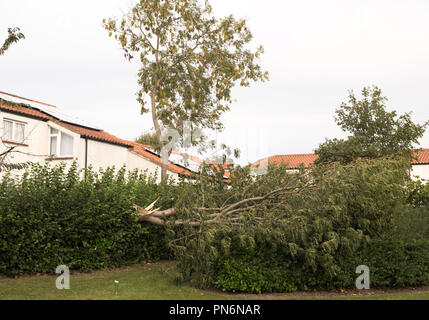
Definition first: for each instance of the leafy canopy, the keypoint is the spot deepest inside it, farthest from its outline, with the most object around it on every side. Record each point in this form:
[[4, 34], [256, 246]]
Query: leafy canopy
[[190, 60], [150, 139], [375, 132]]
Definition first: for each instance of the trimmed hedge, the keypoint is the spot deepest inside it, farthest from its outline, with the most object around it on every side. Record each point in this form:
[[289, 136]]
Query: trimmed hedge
[[398, 258], [50, 217]]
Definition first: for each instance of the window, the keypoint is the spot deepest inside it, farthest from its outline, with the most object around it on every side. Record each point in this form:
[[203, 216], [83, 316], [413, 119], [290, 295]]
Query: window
[[13, 131], [61, 144]]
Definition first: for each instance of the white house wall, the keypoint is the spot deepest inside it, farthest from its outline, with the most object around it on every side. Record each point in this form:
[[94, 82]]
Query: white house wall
[[103, 155], [36, 138], [100, 154], [421, 171], [136, 161]]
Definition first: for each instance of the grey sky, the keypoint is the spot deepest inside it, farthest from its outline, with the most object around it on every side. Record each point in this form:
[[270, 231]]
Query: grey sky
[[314, 50]]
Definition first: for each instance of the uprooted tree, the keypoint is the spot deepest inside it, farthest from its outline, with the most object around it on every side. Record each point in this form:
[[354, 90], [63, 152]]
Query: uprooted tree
[[313, 218], [376, 134], [285, 231], [189, 62]]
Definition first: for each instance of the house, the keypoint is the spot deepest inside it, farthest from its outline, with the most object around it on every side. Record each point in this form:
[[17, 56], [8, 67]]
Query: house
[[42, 133], [419, 166]]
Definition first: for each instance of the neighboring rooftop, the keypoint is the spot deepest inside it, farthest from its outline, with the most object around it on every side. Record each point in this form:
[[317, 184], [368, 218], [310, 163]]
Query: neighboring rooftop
[[293, 161], [422, 156]]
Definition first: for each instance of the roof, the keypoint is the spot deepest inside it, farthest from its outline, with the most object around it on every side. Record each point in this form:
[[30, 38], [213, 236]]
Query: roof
[[143, 150], [422, 156], [44, 109], [85, 131], [293, 161]]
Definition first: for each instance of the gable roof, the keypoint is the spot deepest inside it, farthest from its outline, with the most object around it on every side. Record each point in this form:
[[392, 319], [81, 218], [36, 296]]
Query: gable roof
[[85, 131]]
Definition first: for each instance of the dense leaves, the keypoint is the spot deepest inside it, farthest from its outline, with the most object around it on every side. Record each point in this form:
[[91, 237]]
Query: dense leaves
[[312, 236], [51, 216], [374, 131], [190, 60], [150, 139]]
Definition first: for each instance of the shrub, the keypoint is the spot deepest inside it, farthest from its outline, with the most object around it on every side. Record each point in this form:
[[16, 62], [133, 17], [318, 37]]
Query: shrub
[[397, 258], [401, 257], [418, 193], [307, 240], [50, 216]]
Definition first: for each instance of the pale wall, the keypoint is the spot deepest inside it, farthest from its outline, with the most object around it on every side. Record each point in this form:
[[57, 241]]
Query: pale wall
[[421, 170], [100, 154]]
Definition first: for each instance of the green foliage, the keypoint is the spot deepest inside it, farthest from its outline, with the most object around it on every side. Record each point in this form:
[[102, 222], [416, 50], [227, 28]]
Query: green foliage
[[397, 258], [400, 257], [50, 216], [190, 59], [12, 166], [189, 62], [150, 139], [375, 132], [14, 35], [309, 238], [418, 193]]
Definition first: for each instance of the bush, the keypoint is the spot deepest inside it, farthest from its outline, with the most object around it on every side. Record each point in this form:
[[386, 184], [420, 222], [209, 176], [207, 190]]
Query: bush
[[401, 257], [50, 216], [355, 214], [418, 193], [398, 258]]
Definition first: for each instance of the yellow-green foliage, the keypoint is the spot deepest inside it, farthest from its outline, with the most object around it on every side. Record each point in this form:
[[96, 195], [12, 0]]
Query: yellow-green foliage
[[315, 239]]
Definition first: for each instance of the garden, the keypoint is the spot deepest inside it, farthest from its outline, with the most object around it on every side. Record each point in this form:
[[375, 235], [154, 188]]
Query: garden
[[278, 232]]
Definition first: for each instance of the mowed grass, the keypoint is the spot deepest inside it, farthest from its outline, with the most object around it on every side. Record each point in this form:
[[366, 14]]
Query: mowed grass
[[150, 282]]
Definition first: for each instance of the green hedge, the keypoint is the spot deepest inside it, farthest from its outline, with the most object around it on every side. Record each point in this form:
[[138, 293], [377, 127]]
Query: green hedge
[[398, 258], [50, 216]]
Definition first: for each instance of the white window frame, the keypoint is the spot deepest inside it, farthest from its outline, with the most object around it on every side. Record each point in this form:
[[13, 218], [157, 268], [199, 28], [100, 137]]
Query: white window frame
[[58, 144], [14, 123]]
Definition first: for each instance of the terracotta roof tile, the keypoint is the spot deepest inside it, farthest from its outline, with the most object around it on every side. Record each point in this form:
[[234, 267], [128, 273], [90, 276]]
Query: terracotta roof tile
[[141, 150], [25, 111], [293, 161], [422, 156], [96, 134]]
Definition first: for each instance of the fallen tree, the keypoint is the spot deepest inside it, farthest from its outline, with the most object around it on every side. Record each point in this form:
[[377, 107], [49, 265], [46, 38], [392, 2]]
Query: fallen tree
[[281, 231], [231, 209]]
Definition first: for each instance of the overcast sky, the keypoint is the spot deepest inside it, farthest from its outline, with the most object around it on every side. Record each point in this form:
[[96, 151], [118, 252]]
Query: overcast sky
[[315, 51]]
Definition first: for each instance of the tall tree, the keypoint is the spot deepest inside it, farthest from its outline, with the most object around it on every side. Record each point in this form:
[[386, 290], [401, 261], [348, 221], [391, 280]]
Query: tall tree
[[374, 131], [189, 61], [14, 35], [150, 138]]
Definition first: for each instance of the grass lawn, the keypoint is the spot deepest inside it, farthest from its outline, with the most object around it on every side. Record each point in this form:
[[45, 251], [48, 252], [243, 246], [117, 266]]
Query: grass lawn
[[155, 281]]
